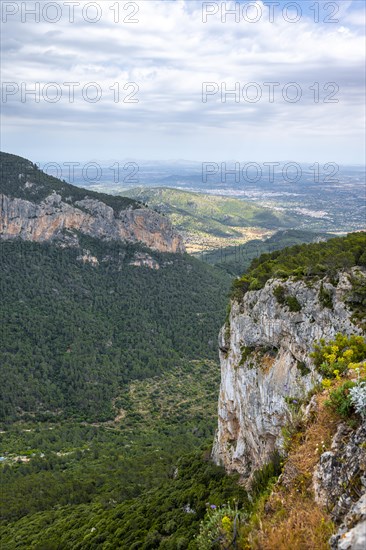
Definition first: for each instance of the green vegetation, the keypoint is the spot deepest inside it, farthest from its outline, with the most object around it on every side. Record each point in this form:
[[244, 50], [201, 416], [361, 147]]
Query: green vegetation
[[220, 527], [325, 297], [129, 483], [110, 384], [304, 370], [340, 399], [205, 213], [357, 299], [285, 514], [283, 299], [237, 259], [343, 357], [293, 304], [166, 518], [305, 261], [74, 334], [152, 417], [20, 178], [339, 355], [210, 222], [279, 292], [246, 351]]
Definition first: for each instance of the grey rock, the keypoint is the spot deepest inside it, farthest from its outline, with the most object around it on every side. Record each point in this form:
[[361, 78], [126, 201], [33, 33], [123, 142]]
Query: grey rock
[[339, 483], [255, 389], [54, 219]]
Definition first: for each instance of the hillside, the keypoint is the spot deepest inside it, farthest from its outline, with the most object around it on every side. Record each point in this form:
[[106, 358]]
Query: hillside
[[38, 207], [22, 179], [112, 373], [210, 221], [304, 261], [80, 322], [237, 259], [292, 397], [109, 365]]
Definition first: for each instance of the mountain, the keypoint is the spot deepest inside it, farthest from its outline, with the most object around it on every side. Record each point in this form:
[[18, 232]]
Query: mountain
[[130, 332], [264, 346], [83, 296], [108, 363], [109, 380], [79, 322], [211, 221], [38, 207], [279, 399]]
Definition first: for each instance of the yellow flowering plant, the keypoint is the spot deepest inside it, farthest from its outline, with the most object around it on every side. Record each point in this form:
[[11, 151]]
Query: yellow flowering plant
[[334, 358]]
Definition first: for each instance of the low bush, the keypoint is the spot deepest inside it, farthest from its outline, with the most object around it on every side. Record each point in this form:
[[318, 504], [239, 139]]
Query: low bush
[[325, 297], [340, 400], [279, 293], [342, 353], [293, 303]]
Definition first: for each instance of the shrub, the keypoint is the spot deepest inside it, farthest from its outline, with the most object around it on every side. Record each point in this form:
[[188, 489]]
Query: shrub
[[293, 303], [280, 294], [245, 353], [340, 400], [219, 528], [339, 354], [358, 399], [304, 370], [240, 287], [255, 284], [307, 260], [325, 297], [263, 477]]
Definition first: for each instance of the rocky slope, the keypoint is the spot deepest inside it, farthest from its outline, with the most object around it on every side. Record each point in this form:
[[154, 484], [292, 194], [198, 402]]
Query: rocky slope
[[339, 482], [55, 219], [265, 364], [38, 207]]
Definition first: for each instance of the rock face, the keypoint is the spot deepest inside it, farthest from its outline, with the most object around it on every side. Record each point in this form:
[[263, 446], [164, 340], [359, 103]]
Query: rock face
[[265, 365], [54, 218], [339, 483]]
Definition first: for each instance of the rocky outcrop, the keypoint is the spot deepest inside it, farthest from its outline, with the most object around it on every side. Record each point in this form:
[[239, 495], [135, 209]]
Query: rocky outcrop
[[339, 483], [265, 365], [87, 258], [54, 218], [144, 260]]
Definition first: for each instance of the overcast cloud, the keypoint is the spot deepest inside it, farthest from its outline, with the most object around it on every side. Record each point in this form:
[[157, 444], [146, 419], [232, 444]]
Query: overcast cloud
[[169, 53]]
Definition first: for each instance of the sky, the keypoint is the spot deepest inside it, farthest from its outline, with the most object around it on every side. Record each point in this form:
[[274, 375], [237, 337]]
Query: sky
[[152, 80]]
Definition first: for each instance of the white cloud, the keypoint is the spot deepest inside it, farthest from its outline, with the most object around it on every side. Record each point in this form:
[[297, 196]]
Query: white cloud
[[169, 53]]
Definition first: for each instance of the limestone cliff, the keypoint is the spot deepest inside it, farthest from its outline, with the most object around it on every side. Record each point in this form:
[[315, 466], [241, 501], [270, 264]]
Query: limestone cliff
[[35, 206], [54, 218], [265, 364]]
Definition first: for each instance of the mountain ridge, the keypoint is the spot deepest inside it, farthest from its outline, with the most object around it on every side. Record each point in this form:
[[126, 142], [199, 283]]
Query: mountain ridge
[[209, 221], [38, 207]]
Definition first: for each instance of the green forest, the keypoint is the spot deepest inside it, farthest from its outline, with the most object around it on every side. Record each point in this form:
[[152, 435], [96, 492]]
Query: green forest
[[73, 334], [109, 380], [109, 388]]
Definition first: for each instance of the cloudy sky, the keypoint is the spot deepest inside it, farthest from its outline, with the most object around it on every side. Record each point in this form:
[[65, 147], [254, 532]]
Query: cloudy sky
[[138, 71]]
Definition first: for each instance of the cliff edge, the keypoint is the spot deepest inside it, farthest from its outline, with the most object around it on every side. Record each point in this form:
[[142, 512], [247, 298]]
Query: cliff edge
[[265, 364], [37, 207]]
